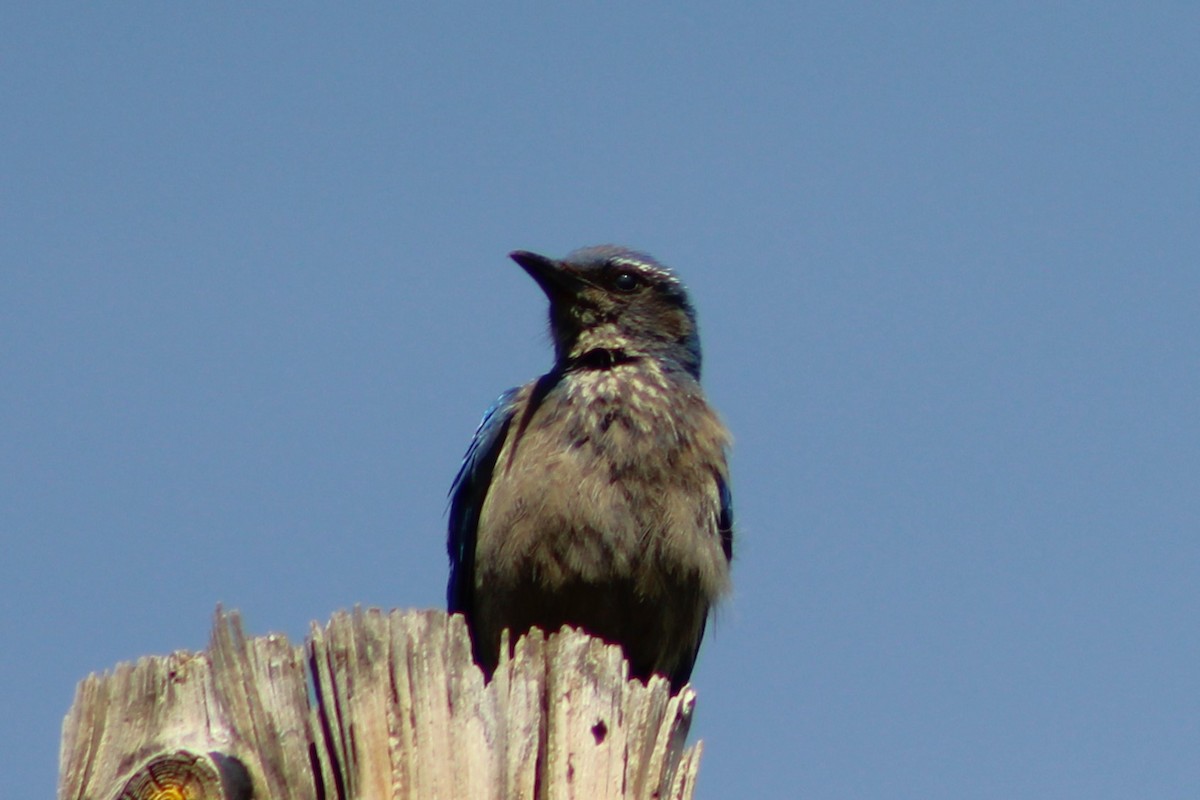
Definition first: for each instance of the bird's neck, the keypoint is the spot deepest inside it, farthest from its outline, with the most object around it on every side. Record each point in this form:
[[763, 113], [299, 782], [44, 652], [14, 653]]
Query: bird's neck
[[600, 358], [607, 347]]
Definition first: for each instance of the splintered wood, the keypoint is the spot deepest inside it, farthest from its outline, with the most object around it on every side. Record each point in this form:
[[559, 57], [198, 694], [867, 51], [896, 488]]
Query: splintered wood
[[378, 706]]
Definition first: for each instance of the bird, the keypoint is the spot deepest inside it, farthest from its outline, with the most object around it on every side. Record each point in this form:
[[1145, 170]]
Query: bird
[[598, 495]]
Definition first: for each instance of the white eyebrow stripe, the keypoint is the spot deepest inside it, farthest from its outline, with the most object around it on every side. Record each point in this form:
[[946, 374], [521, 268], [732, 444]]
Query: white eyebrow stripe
[[643, 267]]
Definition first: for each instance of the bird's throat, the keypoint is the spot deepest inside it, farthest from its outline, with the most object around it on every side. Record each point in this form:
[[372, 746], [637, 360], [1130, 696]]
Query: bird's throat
[[602, 358]]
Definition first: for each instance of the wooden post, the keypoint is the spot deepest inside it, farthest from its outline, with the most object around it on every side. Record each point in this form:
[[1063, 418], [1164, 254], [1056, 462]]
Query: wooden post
[[377, 705]]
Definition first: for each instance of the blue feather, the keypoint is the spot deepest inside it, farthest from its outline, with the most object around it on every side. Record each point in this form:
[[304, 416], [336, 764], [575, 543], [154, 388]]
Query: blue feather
[[467, 494]]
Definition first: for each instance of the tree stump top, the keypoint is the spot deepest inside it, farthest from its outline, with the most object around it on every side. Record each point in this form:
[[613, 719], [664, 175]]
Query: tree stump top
[[377, 705]]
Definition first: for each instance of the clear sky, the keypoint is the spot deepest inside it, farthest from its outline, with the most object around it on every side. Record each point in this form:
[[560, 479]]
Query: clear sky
[[254, 298]]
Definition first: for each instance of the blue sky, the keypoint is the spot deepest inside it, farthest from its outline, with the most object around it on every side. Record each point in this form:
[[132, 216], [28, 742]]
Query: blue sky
[[947, 265]]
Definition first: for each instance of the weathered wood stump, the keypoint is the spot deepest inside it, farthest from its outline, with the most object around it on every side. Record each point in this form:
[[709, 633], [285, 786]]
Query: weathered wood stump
[[377, 705]]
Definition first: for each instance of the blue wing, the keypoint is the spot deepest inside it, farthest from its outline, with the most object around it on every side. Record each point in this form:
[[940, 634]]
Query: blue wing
[[466, 499], [725, 519], [683, 671]]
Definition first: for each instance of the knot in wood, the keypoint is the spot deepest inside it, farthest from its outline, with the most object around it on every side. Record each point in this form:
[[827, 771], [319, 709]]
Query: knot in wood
[[178, 776]]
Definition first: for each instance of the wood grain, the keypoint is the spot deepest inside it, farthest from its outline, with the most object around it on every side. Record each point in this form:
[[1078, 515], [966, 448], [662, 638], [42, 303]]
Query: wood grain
[[377, 704]]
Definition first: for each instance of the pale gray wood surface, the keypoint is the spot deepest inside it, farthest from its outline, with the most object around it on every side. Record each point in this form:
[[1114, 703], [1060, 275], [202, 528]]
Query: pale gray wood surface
[[377, 705]]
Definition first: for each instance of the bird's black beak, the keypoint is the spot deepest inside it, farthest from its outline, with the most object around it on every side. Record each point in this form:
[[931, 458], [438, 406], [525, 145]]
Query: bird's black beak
[[556, 278]]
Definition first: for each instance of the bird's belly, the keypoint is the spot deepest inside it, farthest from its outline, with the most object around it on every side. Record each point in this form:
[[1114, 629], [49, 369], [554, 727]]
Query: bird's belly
[[557, 514], [555, 520], [584, 552]]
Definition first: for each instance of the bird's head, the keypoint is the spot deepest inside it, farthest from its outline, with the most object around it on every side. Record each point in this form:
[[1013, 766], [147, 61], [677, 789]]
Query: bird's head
[[610, 304]]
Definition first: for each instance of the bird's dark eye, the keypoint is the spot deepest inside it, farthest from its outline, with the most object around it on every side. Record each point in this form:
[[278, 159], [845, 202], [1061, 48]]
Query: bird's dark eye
[[626, 281]]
